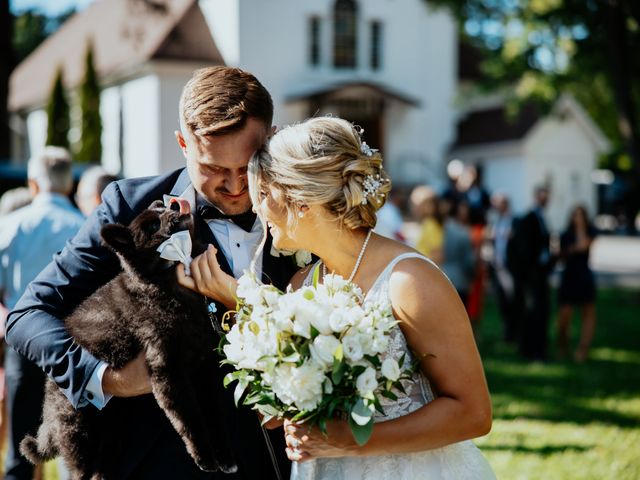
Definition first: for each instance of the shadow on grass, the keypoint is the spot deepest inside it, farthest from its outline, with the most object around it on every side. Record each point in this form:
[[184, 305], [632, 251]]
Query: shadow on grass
[[564, 391], [544, 450]]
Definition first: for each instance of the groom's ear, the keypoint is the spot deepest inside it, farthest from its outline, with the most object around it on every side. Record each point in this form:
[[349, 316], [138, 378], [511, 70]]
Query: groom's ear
[[118, 237], [181, 143]]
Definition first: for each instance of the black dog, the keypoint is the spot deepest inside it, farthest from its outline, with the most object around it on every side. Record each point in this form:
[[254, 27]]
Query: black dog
[[143, 309]]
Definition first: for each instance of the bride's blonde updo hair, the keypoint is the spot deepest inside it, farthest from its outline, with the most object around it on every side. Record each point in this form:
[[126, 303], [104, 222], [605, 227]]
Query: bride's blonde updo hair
[[322, 161]]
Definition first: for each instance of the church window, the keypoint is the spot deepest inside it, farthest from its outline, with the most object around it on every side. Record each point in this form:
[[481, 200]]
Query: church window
[[345, 33]]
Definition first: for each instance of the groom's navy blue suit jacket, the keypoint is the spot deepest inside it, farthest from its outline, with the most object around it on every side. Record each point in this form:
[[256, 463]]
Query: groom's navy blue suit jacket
[[151, 448]]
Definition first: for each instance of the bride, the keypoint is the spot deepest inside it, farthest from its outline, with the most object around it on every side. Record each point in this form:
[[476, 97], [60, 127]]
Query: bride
[[318, 188]]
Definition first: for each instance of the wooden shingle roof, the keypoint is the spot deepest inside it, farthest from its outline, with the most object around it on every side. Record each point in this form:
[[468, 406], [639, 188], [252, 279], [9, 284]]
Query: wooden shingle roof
[[124, 35]]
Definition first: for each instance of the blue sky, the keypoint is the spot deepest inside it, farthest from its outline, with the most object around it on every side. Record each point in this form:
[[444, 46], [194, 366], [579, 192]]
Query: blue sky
[[50, 7]]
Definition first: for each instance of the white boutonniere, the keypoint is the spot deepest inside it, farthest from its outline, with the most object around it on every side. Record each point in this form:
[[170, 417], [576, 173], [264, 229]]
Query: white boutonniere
[[301, 257], [177, 248]]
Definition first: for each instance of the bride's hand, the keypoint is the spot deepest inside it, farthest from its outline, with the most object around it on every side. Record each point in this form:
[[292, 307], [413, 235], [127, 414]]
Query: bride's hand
[[207, 278], [305, 442]]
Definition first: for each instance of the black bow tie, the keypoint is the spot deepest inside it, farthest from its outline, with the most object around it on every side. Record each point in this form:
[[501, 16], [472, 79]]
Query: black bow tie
[[243, 220]]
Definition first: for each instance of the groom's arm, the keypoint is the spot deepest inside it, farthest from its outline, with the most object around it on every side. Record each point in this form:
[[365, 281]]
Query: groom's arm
[[35, 327]]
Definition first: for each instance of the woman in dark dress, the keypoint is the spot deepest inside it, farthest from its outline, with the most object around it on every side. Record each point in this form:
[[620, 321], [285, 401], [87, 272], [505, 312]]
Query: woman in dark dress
[[577, 285]]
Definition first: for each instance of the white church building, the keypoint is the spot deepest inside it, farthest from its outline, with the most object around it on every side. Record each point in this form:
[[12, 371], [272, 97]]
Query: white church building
[[390, 66]]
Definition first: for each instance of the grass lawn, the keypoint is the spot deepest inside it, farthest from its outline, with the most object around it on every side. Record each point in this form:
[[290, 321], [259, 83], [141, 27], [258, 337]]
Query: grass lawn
[[561, 420]]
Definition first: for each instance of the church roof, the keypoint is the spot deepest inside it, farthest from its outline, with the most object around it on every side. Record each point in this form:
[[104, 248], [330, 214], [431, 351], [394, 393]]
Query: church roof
[[124, 35], [493, 125], [353, 88]]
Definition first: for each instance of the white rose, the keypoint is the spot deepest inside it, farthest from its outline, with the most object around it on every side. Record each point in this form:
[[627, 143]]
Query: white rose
[[366, 382], [301, 386], [341, 300], [352, 347], [323, 348], [334, 282], [271, 296], [320, 319], [339, 320], [249, 290], [390, 369], [379, 342]]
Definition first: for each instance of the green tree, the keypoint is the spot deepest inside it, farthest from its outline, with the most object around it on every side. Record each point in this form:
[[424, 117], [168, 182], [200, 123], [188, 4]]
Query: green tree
[[58, 115], [91, 129], [540, 48]]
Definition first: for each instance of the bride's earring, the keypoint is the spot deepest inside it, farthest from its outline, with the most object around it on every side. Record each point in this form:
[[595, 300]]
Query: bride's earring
[[300, 214]]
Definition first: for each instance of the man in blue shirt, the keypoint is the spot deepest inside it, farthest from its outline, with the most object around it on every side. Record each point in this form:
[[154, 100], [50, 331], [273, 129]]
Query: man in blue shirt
[[29, 237]]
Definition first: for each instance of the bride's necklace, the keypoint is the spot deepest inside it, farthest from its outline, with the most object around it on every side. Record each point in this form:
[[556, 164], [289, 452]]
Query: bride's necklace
[[358, 261]]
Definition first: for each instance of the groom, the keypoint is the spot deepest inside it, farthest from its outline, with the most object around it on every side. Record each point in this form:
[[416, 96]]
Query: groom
[[225, 116]]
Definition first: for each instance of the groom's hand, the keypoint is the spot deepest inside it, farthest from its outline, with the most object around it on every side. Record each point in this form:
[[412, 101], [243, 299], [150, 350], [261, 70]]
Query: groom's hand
[[129, 381], [208, 279]]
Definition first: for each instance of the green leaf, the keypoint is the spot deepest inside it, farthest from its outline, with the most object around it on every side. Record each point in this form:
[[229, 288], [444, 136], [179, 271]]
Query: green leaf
[[388, 394], [316, 276], [375, 361], [339, 368], [322, 423], [237, 393], [360, 413], [314, 332], [361, 433]]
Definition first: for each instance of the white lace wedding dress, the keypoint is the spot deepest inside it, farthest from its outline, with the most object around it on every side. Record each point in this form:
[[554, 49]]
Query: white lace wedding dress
[[458, 461]]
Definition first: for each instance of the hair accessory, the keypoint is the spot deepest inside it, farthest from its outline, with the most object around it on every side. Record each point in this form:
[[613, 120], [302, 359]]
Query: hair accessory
[[367, 150], [372, 184]]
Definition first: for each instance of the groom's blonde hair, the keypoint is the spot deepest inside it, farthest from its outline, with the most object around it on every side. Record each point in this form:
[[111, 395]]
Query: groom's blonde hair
[[219, 100], [321, 161]]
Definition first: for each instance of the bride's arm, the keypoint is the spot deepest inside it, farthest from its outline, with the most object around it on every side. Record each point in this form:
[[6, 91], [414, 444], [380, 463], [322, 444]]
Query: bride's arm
[[437, 329]]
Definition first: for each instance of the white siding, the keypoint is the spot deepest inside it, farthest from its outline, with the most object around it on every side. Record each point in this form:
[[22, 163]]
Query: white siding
[[223, 18], [561, 152], [140, 116], [110, 102], [37, 126], [418, 59]]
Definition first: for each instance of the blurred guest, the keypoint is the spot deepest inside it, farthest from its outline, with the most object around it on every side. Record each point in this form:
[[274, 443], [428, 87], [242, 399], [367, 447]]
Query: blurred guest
[[452, 192], [475, 194], [498, 235], [10, 201], [475, 299], [14, 199], [458, 260], [93, 181], [390, 220], [577, 285], [426, 208], [30, 237], [531, 265]]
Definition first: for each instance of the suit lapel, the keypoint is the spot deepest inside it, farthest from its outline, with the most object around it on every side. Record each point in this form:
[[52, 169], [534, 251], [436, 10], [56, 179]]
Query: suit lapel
[[181, 184], [276, 270], [206, 237]]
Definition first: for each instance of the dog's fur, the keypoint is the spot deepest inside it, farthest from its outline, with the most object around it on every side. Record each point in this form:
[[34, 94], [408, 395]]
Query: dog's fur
[[143, 309]]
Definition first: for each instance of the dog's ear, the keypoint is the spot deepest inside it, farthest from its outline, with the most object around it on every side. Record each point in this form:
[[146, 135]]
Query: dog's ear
[[117, 237]]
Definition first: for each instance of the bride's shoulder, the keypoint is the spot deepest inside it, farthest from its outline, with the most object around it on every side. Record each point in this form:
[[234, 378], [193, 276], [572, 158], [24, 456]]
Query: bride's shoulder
[[416, 279]]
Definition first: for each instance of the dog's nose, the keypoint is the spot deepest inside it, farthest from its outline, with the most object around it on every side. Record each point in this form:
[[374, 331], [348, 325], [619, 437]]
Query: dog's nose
[[180, 204]]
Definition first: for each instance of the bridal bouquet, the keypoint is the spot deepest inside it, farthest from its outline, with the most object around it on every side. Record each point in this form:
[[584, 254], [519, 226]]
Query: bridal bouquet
[[313, 354]]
